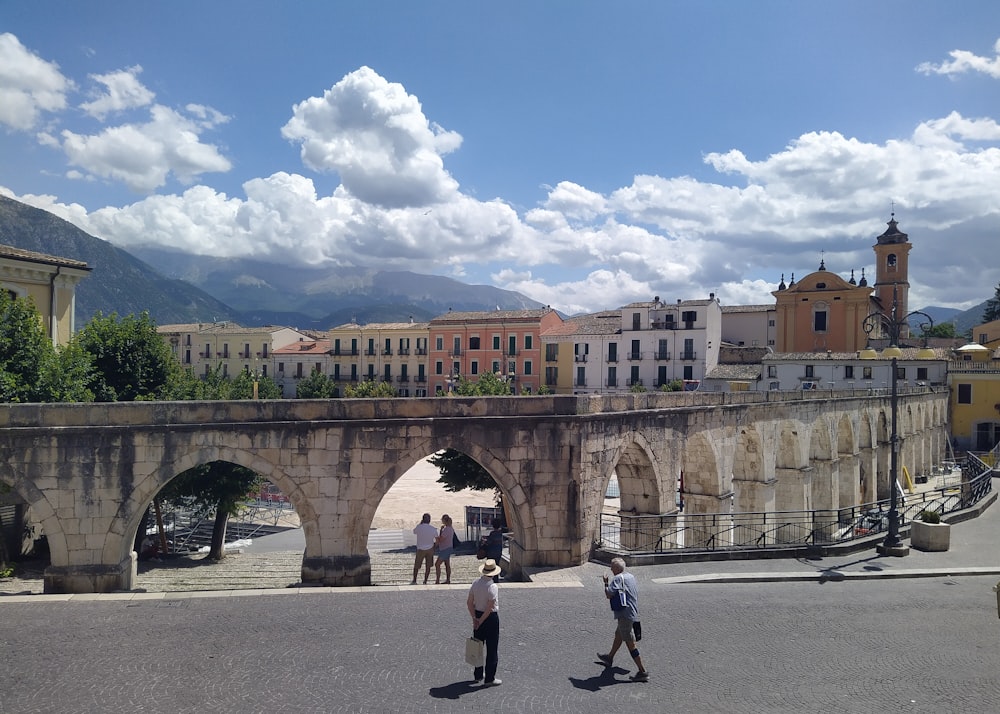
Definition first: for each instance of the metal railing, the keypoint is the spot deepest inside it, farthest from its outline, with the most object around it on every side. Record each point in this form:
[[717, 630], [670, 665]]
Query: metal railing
[[771, 530]]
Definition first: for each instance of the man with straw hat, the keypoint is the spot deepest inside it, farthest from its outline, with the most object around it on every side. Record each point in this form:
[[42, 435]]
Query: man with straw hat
[[484, 607]]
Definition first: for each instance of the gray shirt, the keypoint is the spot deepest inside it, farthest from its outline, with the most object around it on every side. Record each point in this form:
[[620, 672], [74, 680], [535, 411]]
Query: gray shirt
[[625, 582]]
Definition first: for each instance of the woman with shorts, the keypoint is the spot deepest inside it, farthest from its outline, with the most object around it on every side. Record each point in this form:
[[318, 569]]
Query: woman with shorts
[[445, 547]]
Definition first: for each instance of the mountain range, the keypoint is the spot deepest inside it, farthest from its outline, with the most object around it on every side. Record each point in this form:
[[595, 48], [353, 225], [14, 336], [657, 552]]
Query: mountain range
[[189, 288]]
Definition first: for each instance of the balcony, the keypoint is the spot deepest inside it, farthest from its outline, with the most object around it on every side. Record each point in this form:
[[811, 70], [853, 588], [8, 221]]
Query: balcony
[[404, 378], [420, 351], [611, 383], [689, 356], [370, 353], [387, 352], [405, 351], [420, 379], [634, 356], [353, 378], [579, 358], [635, 383], [663, 355]]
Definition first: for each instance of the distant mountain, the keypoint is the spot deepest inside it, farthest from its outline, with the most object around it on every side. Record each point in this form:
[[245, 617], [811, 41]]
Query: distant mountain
[[964, 320], [118, 281], [267, 293]]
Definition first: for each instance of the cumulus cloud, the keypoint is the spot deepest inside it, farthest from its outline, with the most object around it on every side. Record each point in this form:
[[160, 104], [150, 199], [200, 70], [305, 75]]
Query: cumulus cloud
[[376, 138], [28, 85], [141, 155], [122, 90], [963, 61]]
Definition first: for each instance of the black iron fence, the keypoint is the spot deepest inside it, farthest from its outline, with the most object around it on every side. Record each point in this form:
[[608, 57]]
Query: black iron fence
[[682, 532]]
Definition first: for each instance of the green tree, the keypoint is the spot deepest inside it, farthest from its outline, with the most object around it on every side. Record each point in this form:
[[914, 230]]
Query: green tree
[[131, 360], [316, 386], [370, 388], [992, 311], [942, 329], [25, 350], [65, 377], [219, 488], [675, 385]]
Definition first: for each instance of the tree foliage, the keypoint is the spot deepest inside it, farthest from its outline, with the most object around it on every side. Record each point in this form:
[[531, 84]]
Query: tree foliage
[[370, 388], [131, 361], [24, 349], [992, 311], [316, 386], [942, 329], [218, 487]]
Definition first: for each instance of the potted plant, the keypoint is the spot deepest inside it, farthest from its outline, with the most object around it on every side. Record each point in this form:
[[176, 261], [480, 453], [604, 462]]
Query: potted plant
[[929, 533]]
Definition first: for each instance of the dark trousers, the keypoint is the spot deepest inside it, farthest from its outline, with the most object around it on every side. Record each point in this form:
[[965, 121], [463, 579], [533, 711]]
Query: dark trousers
[[488, 632]]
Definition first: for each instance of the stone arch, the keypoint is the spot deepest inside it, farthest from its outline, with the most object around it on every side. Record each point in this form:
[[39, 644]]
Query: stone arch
[[520, 518], [130, 511], [705, 488], [791, 460], [36, 503], [753, 471], [848, 463], [823, 492], [639, 480], [866, 458]]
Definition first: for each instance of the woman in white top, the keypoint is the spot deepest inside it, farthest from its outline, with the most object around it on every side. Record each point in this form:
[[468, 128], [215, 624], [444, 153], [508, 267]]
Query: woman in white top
[[484, 607]]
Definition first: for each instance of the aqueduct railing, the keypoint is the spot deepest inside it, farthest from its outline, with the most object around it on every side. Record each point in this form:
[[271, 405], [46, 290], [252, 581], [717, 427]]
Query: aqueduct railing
[[713, 532]]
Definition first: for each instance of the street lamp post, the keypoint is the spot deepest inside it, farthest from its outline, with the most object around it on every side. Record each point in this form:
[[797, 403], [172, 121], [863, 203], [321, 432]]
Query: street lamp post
[[890, 326]]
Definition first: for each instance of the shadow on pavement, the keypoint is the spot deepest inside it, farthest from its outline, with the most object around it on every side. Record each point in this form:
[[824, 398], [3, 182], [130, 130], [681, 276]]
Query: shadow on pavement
[[456, 689], [605, 679]]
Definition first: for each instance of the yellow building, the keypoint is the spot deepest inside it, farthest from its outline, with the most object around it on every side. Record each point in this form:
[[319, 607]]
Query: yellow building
[[49, 281], [393, 352], [975, 402]]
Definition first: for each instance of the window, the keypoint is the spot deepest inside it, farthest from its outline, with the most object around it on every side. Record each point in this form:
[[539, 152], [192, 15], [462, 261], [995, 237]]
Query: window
[[246, 350], [772, 370], [965, 394], [551, 352], [581, 377], [612, 352], [689, 316], [983, 338], [770, 323], [636, 321], [612, 376], [551, 376], [456, 345], [528, 342], [527, 366], [512, 345], [387, 374], [866, 373], [688, 372], [900, 372], [922, 373], [661, 375], [474, 367], [819, 317], [496, 366], [298, 369], [439, 367], [849, 371], [810, 371], [473, 343], [496, 342], [439, 343]]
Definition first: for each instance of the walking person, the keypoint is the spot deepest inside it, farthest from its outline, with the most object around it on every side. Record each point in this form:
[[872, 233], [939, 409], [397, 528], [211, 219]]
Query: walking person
[[426, 537], [484, 607], [623, 593], [445, 547]]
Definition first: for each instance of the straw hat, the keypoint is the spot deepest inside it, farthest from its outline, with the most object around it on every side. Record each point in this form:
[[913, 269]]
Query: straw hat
[[489, 568]]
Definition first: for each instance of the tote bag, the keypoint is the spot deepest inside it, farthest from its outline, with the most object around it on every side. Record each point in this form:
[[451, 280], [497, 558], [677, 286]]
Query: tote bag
[[474, 654]]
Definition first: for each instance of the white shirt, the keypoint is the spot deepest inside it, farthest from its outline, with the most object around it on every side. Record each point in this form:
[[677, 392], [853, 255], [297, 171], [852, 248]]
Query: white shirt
[[426, 535], [483, 590]]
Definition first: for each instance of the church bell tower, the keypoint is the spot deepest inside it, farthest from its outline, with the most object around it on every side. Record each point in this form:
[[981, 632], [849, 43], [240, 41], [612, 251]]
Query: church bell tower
[[892, 271]]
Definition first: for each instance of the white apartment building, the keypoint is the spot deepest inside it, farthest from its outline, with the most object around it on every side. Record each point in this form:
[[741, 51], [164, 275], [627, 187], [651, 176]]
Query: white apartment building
[[833, 370], [750, 325], [643, 344], [205, 346]]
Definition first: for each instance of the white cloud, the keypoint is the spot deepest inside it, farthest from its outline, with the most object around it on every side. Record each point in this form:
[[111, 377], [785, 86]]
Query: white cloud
[[376, 137], [963, 61], [142, 155], [122, 90], [28, 85]]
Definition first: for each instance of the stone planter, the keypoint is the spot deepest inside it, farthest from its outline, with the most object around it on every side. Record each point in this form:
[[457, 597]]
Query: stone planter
[[930, 536]]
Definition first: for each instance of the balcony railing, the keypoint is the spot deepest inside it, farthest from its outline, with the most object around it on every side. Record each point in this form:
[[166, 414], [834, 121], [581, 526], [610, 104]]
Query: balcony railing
[[404, 378], [689, 356], [662, 355], [635, 383], [387, 352], [420, 351], [404, 351], [579, 358], [369, 353], [634, 356], [420, 379]]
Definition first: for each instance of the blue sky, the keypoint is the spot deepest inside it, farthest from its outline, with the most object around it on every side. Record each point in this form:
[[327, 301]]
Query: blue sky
[[585, 154]]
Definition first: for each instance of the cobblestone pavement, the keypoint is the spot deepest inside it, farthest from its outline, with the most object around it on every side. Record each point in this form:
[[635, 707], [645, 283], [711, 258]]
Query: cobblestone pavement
[[920, 645]]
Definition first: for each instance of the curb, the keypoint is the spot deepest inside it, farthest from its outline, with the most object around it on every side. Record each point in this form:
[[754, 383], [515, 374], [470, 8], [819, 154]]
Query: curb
[[823, 576]]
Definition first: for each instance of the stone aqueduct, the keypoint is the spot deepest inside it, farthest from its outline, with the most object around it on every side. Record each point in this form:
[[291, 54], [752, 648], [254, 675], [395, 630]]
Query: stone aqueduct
[[87, 472]]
